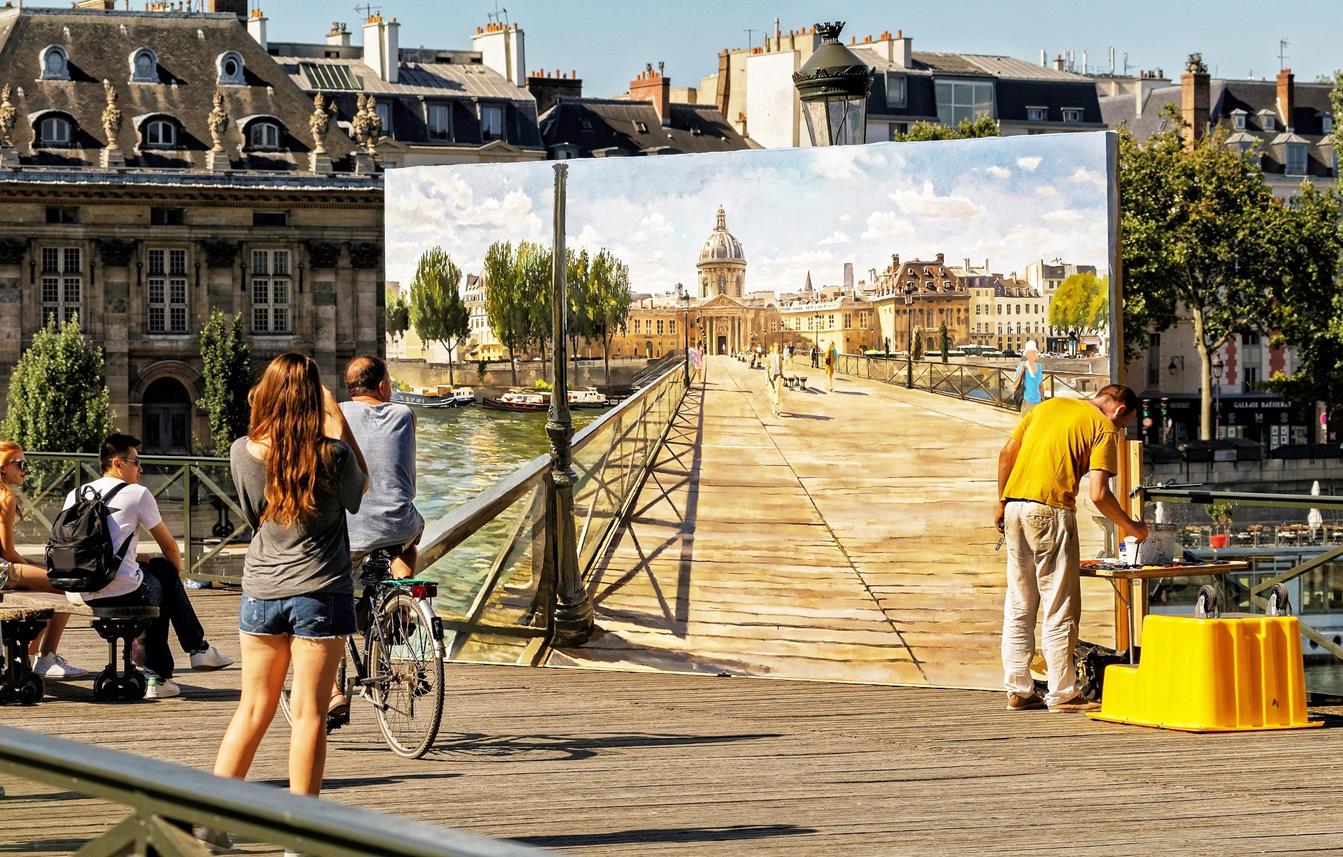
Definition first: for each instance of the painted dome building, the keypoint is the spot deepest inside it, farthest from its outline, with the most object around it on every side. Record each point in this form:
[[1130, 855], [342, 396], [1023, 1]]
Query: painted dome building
[[722, 263]]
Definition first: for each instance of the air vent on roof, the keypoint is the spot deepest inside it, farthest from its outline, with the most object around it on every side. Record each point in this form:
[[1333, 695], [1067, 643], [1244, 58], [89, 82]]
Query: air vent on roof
[[641, 127], [330, 76]]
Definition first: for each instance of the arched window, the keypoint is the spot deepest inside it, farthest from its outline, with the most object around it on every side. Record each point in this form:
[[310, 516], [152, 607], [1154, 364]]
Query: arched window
[[263, 135], [144, 66], [54, 130], [55, 63], [160, 134], [229, 66]]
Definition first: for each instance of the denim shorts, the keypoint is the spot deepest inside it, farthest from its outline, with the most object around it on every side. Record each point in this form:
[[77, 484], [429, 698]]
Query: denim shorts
[[322, 615]]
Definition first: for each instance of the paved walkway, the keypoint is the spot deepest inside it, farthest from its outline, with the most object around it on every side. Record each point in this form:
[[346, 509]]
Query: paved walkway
[[850, 539]]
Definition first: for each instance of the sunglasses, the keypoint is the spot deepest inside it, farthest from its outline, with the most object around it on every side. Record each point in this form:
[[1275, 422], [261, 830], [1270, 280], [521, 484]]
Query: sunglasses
[[134, 462], [21, 464]]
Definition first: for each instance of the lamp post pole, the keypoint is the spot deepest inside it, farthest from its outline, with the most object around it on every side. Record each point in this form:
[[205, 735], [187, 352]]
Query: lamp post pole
[[572, 621], [1217, 367], [685, 296], [909, 338]]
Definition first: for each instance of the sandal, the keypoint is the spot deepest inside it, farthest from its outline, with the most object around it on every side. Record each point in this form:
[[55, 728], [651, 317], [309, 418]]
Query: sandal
[[337, 715]]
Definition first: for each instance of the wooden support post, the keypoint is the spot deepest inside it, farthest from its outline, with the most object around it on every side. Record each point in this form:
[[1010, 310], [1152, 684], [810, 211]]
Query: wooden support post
[[1128, 478]]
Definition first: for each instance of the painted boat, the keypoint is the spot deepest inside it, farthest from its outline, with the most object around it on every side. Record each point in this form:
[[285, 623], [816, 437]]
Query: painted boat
[[442, 396], [588, 397], [518, 399]]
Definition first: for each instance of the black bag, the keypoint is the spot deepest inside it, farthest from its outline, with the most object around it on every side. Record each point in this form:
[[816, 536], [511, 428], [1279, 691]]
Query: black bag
[[1019, 390], [80, 555]]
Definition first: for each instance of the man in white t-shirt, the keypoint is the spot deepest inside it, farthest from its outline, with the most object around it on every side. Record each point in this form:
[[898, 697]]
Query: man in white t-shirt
[[142, 580]]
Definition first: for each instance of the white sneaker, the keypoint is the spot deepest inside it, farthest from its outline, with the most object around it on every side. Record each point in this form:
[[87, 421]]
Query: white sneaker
[[52, 665], [162, 688], [210, 659]]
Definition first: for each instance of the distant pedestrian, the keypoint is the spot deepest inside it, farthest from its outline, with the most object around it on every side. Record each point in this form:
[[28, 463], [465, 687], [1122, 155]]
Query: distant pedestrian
[[1028, 378], [830, 360], [814, 358], [776, 380]]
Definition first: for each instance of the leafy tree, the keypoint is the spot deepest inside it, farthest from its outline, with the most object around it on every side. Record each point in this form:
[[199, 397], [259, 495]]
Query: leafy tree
[[505, 305], [1336, 102], [1201, 237], [457, 326], [432, 294], [984, 126], [579, 323], [944, 340], [1081, 302], [58, 399], [918, 343], [398, 316], [608, 303], [227, 361], [534, 282]]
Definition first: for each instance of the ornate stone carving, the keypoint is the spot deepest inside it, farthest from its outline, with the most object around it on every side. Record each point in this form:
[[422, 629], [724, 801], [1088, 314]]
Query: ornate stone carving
[[319, 122], [116, 253], [111, 117], [219, 254], [218, 122], [8, 115], [365, 254], [367, 127], [323, 254]]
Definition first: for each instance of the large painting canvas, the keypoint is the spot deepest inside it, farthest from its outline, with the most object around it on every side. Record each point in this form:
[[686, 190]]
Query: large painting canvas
[[850, 537]]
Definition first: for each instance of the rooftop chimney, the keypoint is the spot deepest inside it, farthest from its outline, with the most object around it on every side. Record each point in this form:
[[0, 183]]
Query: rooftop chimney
[[1194, 98], [650, 85], [235, 7], [256, 27], [391, 50], [549, 87], [1286, 98], [373, 47], [1060, 64], [338, 35], [502, 48], [104, 5]]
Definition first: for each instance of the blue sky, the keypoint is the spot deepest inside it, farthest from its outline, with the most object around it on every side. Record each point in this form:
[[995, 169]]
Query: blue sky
[[1010, 200], [1237, 37]]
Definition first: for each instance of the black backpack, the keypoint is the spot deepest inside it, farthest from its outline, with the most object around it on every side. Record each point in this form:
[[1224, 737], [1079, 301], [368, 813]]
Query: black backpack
[[80, 555]]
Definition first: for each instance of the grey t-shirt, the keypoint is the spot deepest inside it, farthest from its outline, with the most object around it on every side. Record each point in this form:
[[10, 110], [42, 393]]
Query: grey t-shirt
[[386, 435], [312, 554]]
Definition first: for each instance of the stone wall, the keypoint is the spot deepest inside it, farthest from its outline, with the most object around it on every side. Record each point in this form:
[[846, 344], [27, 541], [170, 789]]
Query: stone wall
[[1275, 476], [498, 378]]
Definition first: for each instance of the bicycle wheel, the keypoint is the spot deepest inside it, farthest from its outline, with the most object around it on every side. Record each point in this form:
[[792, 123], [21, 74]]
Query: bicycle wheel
[[340, 682], [405, 664]]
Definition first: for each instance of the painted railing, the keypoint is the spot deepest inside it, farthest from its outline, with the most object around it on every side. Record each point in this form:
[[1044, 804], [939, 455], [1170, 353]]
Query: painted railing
[[195, 495], [166, 800], [497, 593], [991, 385]]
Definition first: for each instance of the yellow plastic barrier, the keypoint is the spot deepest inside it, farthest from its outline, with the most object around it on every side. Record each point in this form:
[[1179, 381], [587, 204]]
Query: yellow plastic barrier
[[1237, 673]]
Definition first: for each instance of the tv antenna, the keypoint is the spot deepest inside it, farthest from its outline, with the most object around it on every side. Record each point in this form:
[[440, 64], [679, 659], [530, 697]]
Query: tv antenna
[[1282, 52], [368, 10], [499, 15], [750, 36]]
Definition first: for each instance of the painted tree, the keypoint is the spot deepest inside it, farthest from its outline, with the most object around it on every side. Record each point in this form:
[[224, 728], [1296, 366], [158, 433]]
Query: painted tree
[[1082, 303], [505, 307], [457, 327], [944, 340], [58, 399], [398, 314], [918, 344], [1201, 241], [579, 324], [227, 361], [534, 280], [437, 279], [608, 301], [984, 126]]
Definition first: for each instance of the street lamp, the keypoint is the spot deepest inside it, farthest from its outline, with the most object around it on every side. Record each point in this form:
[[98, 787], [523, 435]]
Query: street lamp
[[1217, 367], [833, 86], [683, 295], [1172, 367], [909, 335]]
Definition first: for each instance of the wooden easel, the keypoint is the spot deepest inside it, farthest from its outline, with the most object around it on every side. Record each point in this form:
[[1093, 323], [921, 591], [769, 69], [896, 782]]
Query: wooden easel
[[1128, 478]]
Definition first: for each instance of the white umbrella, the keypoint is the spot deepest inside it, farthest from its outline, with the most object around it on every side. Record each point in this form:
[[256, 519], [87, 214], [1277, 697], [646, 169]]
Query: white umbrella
[[1313, 518]]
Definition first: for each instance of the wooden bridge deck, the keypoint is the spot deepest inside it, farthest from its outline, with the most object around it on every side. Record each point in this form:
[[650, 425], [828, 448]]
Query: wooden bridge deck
[[850, 539], [625, 763]]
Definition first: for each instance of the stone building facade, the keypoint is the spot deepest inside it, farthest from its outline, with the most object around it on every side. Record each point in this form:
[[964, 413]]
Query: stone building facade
[[142, 194]]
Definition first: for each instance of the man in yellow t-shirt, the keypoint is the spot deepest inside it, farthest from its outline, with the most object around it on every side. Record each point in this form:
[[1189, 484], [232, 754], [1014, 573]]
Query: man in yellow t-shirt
[[1039, 469]]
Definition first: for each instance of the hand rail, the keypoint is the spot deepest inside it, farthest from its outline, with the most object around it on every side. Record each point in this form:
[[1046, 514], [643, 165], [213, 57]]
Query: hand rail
[[159, 793]]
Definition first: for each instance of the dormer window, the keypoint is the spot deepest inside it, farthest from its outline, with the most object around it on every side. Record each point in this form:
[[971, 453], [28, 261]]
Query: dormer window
[[641, 127], [54, 131], [439, 122], [263, 135], [586, 123], [160, 134], [144, 66], [1238, 120], [491, 122], [1296, 159], [384, 111], [229, 66], [1072, 114], [1037, 114], [55, 63], [1327, 124], [1268, 120]]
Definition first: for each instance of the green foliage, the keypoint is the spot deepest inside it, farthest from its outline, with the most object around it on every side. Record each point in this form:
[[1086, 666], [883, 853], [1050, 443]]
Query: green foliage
[[58, 399], [436, 307], [984, 126], [1220, 513], [1082, 303], [944, 341], [918, 343], [608, 301], [542, 386], [505, 305], [227, 363], [534, 281], [398, 317], [1336, 103], [481, 366]]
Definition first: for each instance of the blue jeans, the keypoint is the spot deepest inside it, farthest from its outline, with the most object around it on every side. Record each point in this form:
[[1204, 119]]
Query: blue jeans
[[322, 615], [161, 587]]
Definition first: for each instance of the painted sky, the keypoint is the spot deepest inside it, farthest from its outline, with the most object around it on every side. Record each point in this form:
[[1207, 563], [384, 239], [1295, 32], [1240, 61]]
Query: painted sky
[[1009, 200]]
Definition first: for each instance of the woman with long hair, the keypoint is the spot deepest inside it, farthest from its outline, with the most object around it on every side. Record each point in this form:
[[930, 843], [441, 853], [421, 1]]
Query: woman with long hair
[[18, 573], [297, 472]]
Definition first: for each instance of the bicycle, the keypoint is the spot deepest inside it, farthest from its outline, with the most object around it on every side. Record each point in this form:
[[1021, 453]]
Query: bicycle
[[400, 671]]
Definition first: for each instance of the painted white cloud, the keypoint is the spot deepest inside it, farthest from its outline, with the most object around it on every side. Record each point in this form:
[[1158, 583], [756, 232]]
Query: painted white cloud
[[653, 226], [1046, 190], [836, 237], [884, 225], [589, 235], [1029, 163], [926, 203], [998, 172], [1062, 215], [1082, 175]]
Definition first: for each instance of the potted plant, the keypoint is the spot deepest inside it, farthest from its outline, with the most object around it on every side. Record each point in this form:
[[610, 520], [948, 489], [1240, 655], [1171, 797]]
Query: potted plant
[[1221, 515]]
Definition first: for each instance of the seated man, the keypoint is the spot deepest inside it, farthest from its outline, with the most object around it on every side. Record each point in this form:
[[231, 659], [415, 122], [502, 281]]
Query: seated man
[[142, 580], [387, 518]]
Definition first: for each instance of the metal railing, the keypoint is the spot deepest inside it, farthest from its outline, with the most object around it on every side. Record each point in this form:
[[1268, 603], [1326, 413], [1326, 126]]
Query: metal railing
[[496, 592], [991, 385], [166, 800], [196, 499], [1257, 582]]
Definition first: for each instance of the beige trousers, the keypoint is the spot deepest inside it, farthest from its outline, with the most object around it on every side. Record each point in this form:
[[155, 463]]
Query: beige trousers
[[1042, 570], [776, 394]]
